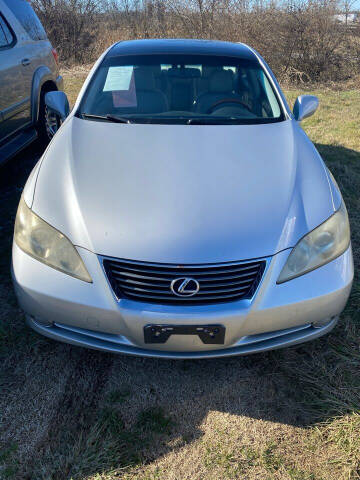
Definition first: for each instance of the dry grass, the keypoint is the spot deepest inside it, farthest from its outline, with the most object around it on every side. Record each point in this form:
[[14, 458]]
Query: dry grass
[[68, 413]]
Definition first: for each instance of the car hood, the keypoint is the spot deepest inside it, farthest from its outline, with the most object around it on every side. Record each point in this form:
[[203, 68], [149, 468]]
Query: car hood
[[183, 193]]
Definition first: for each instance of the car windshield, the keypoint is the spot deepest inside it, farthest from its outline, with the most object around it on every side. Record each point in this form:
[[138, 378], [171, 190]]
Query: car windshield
[[188, 89]]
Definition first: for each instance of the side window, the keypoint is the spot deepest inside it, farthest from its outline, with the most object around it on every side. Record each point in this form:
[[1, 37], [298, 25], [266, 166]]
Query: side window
[[6, 37], [28, 18]]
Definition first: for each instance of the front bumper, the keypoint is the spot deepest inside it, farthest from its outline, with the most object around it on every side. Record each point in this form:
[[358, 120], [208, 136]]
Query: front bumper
[[118, 344], [66, 309]]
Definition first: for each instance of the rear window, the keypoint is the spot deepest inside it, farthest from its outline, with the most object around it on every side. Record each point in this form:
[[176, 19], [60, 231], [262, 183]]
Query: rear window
[[27, 18]]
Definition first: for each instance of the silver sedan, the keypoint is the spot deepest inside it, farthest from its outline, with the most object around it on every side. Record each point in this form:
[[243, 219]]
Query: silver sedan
[[181, 211]]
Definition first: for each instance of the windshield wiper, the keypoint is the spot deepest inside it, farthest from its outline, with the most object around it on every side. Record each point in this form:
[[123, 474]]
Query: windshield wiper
[[207, 121], [109, 118], [115, 118], [227, 121]]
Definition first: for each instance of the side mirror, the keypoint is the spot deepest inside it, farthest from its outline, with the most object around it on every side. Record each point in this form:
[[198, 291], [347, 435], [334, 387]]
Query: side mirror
[[305, 106], [58, 103]]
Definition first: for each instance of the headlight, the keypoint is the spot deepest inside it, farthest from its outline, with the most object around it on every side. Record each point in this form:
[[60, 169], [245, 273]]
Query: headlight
[[318, 247], [46, 244]]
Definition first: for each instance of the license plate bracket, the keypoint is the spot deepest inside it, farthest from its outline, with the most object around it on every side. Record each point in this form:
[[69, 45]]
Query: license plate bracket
[[208, 334]]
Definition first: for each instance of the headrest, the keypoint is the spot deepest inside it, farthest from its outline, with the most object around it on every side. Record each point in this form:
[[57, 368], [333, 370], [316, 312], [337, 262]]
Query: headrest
[[192, 72], [184, 72], [208, 70], [144, 78], [221, 81]]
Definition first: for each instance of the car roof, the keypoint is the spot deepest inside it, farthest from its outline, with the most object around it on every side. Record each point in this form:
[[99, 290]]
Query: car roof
[[182, 46]]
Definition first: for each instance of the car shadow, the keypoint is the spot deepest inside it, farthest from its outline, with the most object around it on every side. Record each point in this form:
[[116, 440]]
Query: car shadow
[[135, 410]]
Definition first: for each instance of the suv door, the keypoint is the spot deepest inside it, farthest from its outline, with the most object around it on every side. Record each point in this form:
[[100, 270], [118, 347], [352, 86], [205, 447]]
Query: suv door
[[14, 100]]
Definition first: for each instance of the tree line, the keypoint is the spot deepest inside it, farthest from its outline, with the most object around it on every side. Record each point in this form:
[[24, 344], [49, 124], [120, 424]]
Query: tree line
[[302, 40]]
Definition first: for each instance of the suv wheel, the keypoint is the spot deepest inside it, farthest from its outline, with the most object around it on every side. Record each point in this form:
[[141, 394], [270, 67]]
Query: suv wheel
[[52, 123], [49, 123]]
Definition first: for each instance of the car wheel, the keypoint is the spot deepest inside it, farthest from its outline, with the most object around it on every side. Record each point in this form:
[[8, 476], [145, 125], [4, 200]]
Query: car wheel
[[52, 123], [49, 123]]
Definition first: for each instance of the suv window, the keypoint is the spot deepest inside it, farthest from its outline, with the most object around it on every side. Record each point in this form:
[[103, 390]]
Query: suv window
[[3, 41], [28, 18], [6, 37]]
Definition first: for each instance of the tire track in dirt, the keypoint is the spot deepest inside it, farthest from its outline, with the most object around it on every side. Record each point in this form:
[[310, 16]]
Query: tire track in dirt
[[73, 416], [75, 377]]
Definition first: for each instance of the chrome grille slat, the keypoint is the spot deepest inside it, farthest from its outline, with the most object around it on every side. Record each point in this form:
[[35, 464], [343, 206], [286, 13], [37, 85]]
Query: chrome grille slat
[[163, 266], [169, 292], [182, 270], [183, 299], [214, 283], [184, 274], [211, 284], [151, 283], [136, 275]]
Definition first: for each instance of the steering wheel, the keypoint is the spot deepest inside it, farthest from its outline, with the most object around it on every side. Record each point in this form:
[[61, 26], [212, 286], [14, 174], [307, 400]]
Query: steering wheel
[[215, 105]]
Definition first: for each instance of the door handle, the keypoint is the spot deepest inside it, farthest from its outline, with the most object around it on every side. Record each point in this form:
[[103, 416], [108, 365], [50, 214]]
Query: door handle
[[25, 62]]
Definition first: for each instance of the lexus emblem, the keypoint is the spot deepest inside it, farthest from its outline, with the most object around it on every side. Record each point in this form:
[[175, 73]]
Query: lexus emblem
[[185, 287]]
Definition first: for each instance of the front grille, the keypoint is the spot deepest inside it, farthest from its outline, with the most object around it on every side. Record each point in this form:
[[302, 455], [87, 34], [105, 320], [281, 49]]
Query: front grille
[[151, 282]]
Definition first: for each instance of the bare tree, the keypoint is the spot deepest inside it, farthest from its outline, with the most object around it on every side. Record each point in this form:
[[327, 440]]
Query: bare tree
[[70, 24]]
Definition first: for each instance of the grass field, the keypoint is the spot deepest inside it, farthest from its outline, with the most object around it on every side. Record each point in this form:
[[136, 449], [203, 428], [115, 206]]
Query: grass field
[[293, 414]]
